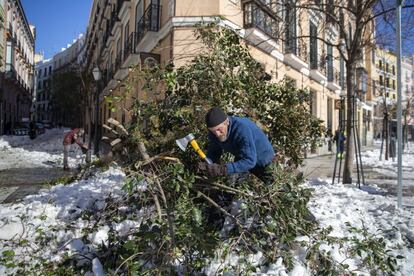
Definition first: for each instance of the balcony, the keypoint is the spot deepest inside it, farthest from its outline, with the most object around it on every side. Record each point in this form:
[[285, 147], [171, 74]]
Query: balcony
[[333, 77], [296, 56], [148, 23], [261, 25], [10, 71], [120, 72], [318, 67], [129, 51], [130, 55]]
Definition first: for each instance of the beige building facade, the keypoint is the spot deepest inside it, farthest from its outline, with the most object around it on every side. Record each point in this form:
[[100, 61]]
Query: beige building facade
[[17, 66], [122, 34], [385, 88]]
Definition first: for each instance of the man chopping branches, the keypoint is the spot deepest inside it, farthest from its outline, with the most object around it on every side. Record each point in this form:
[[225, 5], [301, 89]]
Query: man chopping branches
[[241, 137]]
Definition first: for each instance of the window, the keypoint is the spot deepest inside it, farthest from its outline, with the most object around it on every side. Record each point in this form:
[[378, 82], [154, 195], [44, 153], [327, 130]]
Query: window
[[313, 103], [374, 88], [387, 67], [50, 70], [290, 29], [313, 33], [393, 70], [139, 12], [342, 73], [329, 59], [330, 113], [45, 72], [330, 11], [126, 36], [380, 64], [381, 80], [393, 84], [9, 55]]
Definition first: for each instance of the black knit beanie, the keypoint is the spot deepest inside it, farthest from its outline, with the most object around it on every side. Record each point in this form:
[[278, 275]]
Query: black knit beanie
[[215, 116]]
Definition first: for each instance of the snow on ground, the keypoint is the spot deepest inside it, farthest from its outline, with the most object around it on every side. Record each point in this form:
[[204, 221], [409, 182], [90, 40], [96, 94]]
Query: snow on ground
[[390, 167], [52, 211], [334, 205], [46, 150], [55, 209]]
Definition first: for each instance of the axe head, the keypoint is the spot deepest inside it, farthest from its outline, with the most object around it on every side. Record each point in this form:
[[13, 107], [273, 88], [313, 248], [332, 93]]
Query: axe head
[[183, 142]]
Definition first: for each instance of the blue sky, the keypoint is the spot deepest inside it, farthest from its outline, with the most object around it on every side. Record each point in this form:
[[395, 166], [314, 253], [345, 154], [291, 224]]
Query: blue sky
[[57, 22]]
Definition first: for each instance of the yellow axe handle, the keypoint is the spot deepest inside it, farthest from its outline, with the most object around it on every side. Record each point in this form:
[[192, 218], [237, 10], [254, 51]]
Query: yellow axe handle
[[197, 149]]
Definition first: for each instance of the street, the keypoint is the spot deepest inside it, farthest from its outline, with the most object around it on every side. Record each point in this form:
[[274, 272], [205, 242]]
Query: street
[[382, 174], [27, 165]]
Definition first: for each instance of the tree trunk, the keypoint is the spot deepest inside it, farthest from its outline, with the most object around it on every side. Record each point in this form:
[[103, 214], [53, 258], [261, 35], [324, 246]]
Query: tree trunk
[[349, 146]]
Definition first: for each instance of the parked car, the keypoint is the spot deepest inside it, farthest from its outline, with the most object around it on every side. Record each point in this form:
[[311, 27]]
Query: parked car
[[40, 128], [21, 128]]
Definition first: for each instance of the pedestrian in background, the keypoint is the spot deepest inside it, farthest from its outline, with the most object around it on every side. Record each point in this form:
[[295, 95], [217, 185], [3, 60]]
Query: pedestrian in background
[[340, 139], [74, 136]]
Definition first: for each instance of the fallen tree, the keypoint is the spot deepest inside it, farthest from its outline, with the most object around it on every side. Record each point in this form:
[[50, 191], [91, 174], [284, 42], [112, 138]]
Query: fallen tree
[[188, 224]]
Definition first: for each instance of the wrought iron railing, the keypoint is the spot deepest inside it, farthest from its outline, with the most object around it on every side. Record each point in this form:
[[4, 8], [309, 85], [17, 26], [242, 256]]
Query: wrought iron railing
[[318, 62], [150, 22], [255, 16], [130, 45], [119, 60]]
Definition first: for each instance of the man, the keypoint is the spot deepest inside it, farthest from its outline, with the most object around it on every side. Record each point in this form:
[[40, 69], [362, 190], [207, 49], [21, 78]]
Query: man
[[340, 139], [74, 136], [244, 139]]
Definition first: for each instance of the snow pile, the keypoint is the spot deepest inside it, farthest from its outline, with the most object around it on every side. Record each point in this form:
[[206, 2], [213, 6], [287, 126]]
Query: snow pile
[[44, 151], [50, 214], [335, 205]]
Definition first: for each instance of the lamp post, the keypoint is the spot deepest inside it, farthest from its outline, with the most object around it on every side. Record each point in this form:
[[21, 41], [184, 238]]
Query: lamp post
[[399, 107], [97, 77]]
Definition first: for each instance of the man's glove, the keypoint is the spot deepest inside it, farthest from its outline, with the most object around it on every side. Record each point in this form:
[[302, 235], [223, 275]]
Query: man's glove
[[212, 169]]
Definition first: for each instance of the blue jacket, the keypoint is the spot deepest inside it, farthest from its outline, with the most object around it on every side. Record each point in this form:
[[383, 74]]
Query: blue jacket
[[246, 141]]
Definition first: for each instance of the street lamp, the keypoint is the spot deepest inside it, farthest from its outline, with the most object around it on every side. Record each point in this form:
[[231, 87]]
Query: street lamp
[[96, 73], [361, 77], [97, 77]]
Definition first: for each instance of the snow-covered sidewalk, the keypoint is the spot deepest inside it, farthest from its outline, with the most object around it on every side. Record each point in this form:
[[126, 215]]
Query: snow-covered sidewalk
[[45, 150]]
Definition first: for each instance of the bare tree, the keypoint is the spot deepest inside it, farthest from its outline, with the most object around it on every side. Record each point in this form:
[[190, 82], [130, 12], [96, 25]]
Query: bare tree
[[356, 22]]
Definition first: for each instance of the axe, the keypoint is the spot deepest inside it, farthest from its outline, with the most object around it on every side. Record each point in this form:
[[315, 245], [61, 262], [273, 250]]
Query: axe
[[183, 142]]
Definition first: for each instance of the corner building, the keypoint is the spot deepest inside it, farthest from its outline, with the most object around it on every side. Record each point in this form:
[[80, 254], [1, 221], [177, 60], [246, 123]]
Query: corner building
[[122, 34]]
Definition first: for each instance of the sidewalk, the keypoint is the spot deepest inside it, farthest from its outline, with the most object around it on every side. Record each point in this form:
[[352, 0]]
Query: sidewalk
[[323, 167]]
